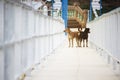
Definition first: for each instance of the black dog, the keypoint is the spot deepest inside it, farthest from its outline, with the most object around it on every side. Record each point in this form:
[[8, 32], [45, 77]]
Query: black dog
[[84, 36]]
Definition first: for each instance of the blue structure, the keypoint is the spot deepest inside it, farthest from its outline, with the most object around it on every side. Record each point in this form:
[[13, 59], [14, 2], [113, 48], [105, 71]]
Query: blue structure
[[100, 7], [90, 12], [65, 11]]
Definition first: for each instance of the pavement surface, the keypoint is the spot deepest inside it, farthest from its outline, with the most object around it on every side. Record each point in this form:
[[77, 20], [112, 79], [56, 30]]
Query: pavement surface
[[73, 64]]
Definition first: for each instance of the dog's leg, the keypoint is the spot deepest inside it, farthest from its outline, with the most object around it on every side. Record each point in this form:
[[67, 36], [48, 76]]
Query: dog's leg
[[83, 43], [72, 42], [77, 42], [69, 42], [86, 42], [80, 42]]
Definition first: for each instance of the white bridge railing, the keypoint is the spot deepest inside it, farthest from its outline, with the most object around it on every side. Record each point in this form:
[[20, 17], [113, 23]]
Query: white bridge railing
[[26, 37], [105, 37]]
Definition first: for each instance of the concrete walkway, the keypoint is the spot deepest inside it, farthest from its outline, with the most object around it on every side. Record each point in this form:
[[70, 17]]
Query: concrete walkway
[[73, 64]]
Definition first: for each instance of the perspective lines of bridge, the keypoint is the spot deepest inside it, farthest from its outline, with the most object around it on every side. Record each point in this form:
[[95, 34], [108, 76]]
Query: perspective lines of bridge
[[73, 64], [34, 46]]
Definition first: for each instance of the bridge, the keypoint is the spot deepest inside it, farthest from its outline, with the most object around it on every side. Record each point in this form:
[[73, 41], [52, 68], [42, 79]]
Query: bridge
[[33, 46]]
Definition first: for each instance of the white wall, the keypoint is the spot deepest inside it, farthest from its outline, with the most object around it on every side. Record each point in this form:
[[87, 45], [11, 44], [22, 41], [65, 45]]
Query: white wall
[[26, 37]]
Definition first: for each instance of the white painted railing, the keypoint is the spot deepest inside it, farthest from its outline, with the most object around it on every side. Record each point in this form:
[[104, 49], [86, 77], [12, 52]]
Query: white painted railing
[[26, 37], [105, 37]]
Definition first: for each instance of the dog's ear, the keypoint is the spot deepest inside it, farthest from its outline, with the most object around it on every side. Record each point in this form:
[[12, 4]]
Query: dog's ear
[[88, 30], [65, 30], [80, 29]]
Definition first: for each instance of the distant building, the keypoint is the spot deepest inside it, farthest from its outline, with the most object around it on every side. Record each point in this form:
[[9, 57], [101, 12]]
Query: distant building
[[47, 7]]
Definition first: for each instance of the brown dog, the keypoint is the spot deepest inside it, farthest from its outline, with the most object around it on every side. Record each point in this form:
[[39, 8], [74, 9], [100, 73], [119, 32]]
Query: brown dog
[[71, 36]]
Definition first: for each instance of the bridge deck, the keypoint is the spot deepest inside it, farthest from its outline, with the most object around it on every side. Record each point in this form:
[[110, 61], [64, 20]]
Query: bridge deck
[[73, 64]]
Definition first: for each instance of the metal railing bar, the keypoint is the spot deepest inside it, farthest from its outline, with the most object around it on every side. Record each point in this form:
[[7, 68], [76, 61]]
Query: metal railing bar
[[108, 53], [14, 41]]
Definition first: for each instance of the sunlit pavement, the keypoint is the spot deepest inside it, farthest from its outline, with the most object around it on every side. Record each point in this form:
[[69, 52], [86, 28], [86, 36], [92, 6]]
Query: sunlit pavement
[[73, 64]]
